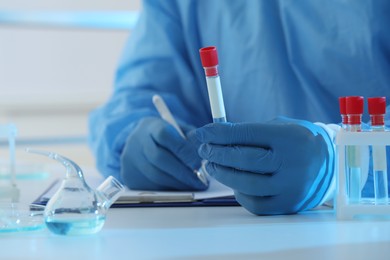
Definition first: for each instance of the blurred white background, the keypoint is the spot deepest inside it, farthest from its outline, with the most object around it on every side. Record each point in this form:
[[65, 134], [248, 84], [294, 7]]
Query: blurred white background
[[57, 63]]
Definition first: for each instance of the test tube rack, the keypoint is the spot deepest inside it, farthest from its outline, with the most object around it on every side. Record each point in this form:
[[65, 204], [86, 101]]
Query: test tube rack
[[366, 208]]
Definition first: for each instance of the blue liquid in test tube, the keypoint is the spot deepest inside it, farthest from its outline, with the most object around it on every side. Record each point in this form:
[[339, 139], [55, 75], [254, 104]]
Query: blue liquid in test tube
[[377, 110]]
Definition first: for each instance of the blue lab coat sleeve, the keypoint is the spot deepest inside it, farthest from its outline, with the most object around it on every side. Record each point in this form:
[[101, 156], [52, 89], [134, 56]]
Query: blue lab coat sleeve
[[153, 61], [276, 58]]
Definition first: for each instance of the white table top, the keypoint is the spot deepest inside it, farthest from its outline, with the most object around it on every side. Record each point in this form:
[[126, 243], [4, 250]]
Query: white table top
[[206, 233]]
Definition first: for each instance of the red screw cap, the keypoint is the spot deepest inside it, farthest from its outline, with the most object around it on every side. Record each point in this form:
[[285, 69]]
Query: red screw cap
[[343, 105], [209, 56], [354, 109], [343, 110], [377, 105], [354, 105]]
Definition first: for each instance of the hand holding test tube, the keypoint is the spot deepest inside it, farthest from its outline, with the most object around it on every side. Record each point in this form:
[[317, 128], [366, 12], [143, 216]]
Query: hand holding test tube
[[168, 117]]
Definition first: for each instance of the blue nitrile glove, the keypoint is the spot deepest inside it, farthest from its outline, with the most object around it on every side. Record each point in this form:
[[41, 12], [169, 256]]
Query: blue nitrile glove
[[156, 157], [280, 167]]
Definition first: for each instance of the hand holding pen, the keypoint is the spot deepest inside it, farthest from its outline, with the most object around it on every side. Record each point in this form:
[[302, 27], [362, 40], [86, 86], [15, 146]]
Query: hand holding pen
[[156, 157], [165, 114]]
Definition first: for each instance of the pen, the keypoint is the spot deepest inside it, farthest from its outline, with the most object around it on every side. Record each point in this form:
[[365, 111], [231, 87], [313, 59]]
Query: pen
[[166, 114]]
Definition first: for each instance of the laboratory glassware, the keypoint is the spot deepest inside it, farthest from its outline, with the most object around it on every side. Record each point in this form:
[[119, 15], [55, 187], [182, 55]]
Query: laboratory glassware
[[17, 217], [377, 111], [352, 151], [8, 188], [366, 208], [75, 208], [354, 110], [209, 59]]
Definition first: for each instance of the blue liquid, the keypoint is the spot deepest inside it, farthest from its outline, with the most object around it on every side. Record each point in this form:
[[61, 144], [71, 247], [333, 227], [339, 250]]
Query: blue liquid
[[354, 180], [81, 226], [380, 185]]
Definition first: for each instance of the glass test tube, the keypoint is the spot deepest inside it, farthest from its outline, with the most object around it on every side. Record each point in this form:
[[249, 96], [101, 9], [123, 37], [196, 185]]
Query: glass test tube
[[354, 110], [209, 58], [344, 125], [377, 110]]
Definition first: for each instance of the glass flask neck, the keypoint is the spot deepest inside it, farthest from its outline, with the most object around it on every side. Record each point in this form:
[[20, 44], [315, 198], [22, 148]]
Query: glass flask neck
[[109, 191], [72, 169]]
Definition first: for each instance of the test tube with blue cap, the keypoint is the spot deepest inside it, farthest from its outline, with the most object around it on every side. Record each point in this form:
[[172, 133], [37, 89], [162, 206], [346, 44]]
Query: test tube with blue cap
[[209, 58]]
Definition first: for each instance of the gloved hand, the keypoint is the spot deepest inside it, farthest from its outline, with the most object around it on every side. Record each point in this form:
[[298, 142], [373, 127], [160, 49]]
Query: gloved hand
[[156, 157], [279, 167]]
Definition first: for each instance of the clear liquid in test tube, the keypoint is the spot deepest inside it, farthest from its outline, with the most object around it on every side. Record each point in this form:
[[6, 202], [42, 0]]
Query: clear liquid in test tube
[[354, 110], [209, 58], [377, 111]]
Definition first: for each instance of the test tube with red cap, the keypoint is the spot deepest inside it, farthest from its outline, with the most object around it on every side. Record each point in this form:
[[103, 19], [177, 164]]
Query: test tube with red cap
[[343, 112], [354, 110], [209, 58], [377, 111]]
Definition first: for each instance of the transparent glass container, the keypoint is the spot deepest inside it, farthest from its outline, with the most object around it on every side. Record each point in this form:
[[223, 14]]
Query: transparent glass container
[[77, 209]]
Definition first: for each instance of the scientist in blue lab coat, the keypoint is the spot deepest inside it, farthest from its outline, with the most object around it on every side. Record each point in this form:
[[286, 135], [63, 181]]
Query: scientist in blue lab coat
[[283, 65]]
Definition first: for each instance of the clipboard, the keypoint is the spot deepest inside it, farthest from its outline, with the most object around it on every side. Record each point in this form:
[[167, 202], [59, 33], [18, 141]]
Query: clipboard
[[216, 195]]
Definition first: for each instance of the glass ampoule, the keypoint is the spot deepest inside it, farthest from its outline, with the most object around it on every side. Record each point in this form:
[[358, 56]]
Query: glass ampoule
[[377, 111]]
